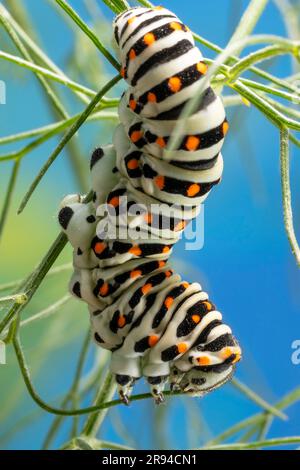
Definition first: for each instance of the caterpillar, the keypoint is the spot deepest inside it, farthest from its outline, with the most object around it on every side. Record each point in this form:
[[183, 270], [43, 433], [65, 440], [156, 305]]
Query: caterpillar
[[155, 324]]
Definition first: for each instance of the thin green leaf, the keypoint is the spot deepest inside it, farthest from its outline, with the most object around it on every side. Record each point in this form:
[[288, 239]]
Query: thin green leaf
[[9, 193], [69, 134], [87, 30], [283, 441], [286, 193]]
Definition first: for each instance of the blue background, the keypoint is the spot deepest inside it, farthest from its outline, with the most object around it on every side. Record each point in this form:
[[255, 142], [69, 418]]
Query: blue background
[[246, 264]]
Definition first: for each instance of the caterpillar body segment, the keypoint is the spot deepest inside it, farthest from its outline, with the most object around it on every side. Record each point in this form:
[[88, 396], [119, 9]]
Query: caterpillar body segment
[[157, 325]]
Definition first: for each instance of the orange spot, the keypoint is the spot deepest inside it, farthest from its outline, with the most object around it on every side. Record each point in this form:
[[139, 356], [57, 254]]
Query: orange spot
[[225, 128], [161, 264], [149, 39], [192, 143], [174, 84], [132, 54], [202, 68], [185, 284], [182, 348], [161, 142], [196, 318], [208, 305], [160, 182], [135, 273], [152, 340], [136, 136], [123, 71], [203, 361], [158, 8], [169, 273], [115, 201], [148, 218], [104, 289], [151, 97], [227, 352], [132, 105], [146, 288], [131, 20], [180, 226], [99, 247], [193, 190], [168, 302], [176, 26], [135, 250], [166, 249], [133, 164], [121, 321]]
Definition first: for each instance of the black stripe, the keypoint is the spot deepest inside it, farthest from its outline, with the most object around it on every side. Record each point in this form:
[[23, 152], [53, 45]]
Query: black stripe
[[124, 29], [124, 14], [159, 33], [162, 57], [197, 165], [145, 23], [217, 368], [206, 139], [187, 76], [176, 186], [221, 342], [116, 34], [202, 338], [208, 97]]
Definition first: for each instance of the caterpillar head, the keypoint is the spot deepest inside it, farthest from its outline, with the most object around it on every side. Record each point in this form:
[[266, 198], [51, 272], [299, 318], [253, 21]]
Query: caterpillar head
[[197, 380]]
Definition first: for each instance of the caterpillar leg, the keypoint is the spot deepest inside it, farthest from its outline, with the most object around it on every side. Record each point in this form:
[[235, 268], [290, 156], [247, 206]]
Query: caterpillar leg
[[127, 370], [157, 386], [125, 385]]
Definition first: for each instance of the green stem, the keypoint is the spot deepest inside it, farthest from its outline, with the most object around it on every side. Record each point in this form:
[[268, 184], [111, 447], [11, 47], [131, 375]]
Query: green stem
[[258, 418], [32, 283], [36, 50], [245, 390], [260, 73], [84, 27], [46, 73], [19, 299], [249, 20], [9, 193], [53, 271], [259, 56], [266, 108], [90, 443], [105, 393], [45, 313], [286, 193], [282, 441], [61, 125], [22, 49], [192, 104], [295, 98], [69, 134], [117, 6], [72, 392], [58, 411], [51, 131]]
